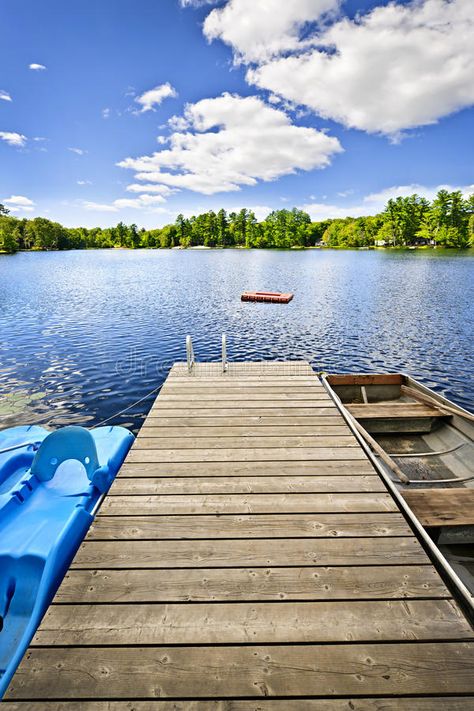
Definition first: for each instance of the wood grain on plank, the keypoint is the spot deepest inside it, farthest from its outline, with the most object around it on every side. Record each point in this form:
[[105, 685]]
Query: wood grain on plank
[[246, 442], [246, 485], [392, 410], [251, 622], [255, 671], [263, 390], [247, 381], [325, 468], [248, 526], [366, 379], [276, 454], [249, 423], [247, 503], [442, 507], [246, 553], [209, 585], [237, 408], [249, 397], [150, 429], [407, 703]]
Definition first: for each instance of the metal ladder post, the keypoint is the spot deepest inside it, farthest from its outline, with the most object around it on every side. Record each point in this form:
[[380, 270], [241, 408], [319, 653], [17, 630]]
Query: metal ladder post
[[190, 353], [224, 353]]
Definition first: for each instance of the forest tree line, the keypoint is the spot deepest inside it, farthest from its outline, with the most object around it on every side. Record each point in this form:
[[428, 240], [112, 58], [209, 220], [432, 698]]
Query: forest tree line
[[447, 221]]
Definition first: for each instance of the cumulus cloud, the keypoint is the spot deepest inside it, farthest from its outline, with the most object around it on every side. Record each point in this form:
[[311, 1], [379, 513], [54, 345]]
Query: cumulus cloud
[[232, 141], [99, 206], [77, 151], [19, 203], [196, 3], [37, 67], [5, 96], [428, 192], [13, 139], [398, 67], [84, 182], [259, 30], [141, 202], [150, 188], [154, 97], [374, 203], [319, 211]]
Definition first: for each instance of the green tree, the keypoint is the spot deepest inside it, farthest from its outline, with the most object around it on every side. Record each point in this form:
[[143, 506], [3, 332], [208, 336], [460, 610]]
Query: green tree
[[9, 234]]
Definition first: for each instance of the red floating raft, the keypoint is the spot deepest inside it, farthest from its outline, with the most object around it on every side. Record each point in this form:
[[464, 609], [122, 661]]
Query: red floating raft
[[274, 297]]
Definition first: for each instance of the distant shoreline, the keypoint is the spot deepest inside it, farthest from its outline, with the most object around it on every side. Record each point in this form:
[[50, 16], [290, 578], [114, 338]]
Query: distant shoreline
[[322, 248]]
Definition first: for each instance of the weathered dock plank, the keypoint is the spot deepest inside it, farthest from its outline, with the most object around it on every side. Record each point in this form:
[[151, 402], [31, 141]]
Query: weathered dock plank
[[209, 585], [247, 503], [245, 671], [288, 454], [408, 703], [248, 558], [254, 622], [250, 526], [247, 553], [246, 485], [324, 468]]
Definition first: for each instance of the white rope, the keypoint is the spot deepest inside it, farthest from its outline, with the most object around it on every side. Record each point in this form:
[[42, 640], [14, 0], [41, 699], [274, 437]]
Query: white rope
[[125, 409]]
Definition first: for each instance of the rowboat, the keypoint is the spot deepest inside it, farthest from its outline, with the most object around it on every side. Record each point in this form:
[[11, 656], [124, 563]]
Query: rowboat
[[423, 444], [50, 486]]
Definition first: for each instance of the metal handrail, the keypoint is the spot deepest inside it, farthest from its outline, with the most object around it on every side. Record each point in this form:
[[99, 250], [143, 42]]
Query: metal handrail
[[12, 447], [190, 353], [224, 353]]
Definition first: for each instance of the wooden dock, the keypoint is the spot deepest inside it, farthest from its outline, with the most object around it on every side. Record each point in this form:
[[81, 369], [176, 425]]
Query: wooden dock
[[248, 557]]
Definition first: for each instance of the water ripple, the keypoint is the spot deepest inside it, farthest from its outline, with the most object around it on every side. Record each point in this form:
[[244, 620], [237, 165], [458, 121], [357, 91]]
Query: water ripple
[[84, 334]]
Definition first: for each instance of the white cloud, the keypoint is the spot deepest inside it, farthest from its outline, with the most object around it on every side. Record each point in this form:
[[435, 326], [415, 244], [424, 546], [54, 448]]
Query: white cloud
[[258, 31], [428, 192], [37, 67], [374, 203], [151, 188], [398, 67], [319, 211], [99, 206], [19, 203], [84, 182], [233, 141], [196, 3], [105, 113], [260, 211], [155, 96], [142, 202], [77, 151], [13, 139], [5, 96]]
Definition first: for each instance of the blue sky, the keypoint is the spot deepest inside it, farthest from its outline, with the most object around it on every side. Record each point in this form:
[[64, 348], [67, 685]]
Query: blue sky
[[137, 110]]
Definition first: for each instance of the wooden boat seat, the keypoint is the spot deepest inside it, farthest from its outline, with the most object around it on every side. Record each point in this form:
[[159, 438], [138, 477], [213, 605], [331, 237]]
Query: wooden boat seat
[[442, 507], [393, 410]]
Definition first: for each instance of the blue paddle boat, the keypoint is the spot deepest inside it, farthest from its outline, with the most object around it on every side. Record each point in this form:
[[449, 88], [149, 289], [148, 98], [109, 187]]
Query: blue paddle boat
[[50, 486]]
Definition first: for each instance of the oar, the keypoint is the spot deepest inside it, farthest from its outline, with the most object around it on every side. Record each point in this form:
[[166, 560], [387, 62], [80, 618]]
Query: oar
[[379, 451], [431, 401]]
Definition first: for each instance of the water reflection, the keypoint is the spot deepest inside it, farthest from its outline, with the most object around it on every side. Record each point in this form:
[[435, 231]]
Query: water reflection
[[84, 334]]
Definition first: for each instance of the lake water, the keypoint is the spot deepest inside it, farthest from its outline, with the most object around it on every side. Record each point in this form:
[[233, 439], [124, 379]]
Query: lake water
[[84, 334]]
